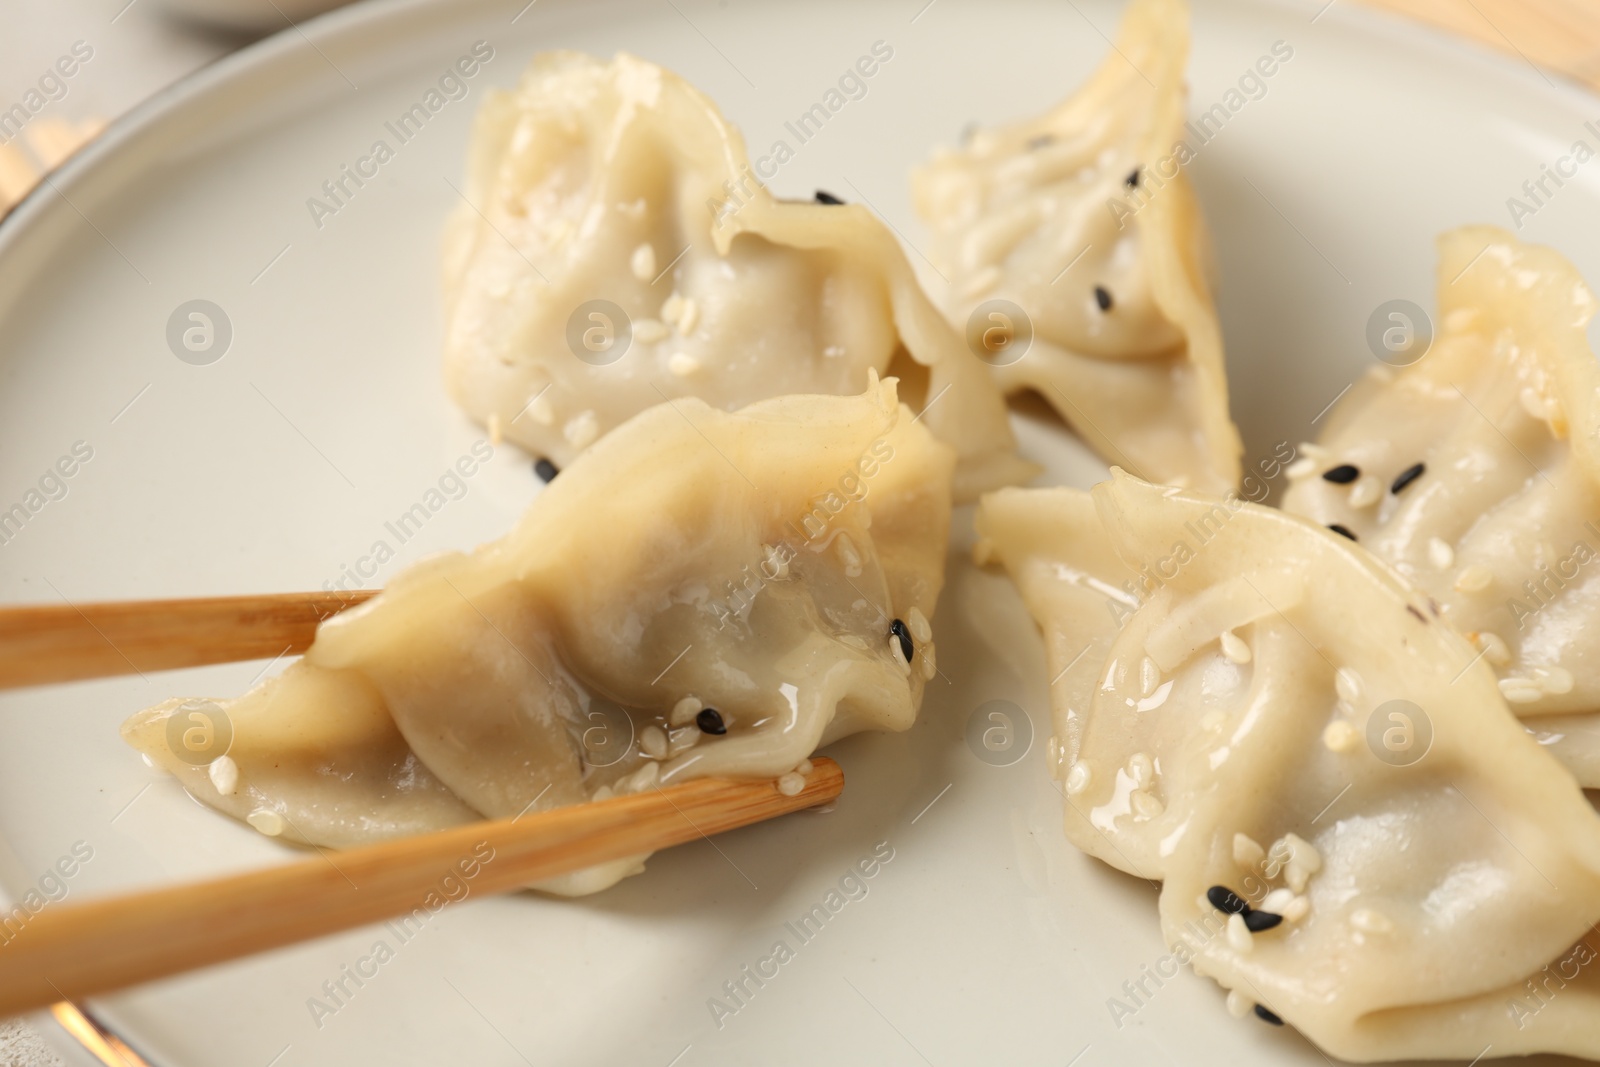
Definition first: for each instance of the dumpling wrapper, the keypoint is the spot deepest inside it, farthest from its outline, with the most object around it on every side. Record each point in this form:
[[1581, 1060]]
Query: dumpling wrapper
[[753, 561], [1502, 527], [1433, 889], [1040, 213], [621, 182]]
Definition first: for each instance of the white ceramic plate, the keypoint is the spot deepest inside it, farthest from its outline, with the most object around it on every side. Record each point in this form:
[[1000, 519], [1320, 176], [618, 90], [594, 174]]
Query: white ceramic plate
[[986, 939]]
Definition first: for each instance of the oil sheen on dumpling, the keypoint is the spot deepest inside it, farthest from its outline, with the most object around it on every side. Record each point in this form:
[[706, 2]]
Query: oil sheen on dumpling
[[1084, 219], [1433, 889], [1475, 472], [619, 182], [752, 563]]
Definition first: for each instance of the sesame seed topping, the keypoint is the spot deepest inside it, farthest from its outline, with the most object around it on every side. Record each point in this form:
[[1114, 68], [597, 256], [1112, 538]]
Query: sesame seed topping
[[1142, 769], [851, 559], [791, 784], [898, 629], [653, 742], [1102, 296], [682, 739], [1343, 474], [224, 775], [1078, 778], [1365, 492], [1340, 736], [1297, 909], [1267, 1017], [1257, 921], [1132, 180], [1420, 617], [1370, 922], [582, 429], [1556, 681], [1493, 647], [1301, 468], [545, 470], [1347, 683], [1407, 476], [825, 197], [1247, 852], [1474, 578], [805, 766], [1234, 647], [1520, 690], [649, 331], [688, 316], [710, 722], [918, 622], [1277, 900], [496, 434], [266, 821], [1341, 530], [1145, 805], [681, 364], [685, 710], [1226, 900], [1239, 938], [1149, 676], [1440, 554], [1238, 1004], [643, 262], [929, 667]]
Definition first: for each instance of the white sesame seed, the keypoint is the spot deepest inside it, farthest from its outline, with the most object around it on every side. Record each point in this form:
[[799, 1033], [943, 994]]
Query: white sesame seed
[[494, 429], [982, 281], [1239, 937], [582, 429], [266, 820], [898, 654], [643, 262], [1239, 1005], [930, 665], [805, 766], [1370, 922], [1145, 805], [1149, 677], [1493, 647], [684, 711], [634, 209], [1557, 681], [689, 316], [1277, 900], [791, 784], [1247, 852], [833, 351], [603, 793], [1474, 578], [1142, 769], [653, 742], [649, 331], [1534, 404], [777, 562], [1347, 683], [917, 622], [1366, 491], [1212, 721], [1461, 320], [1301, 468], [1340, 736], [848, 556], [1440, 554], [1520, 690], [682, 364], [1312, 451], [540, 411], [1234, 647], [1079, 777], [671, 308], [1296, 909], [682, 739], [982, 551], [224, 775], [646, 777]]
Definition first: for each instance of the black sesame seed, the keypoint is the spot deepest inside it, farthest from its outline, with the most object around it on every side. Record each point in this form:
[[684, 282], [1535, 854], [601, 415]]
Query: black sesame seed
[[1102, 296], [824, 197], [1267, 1017], [1343, 474], [1407, 476], [1226, 900], [1041, 140], [1420, 617], [710, 722], [1132, 180], [1342, 530], [898, 629], [545, 470], [1257, 921]]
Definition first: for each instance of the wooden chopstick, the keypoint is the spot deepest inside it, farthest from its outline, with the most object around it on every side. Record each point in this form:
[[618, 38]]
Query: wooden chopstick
[[66, 642], [70, 951]]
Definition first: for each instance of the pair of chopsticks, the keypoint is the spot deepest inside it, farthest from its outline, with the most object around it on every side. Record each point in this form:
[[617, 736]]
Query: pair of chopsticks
[[68, 951]]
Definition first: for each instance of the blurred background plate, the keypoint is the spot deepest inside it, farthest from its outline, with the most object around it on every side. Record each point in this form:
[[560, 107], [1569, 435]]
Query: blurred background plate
[[985, 938]]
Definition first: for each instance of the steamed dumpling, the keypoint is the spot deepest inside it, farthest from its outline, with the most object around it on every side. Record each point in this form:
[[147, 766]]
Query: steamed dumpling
[[1084, 219], [1226, 717], [619, 182], [1475, 472], [753, 563]]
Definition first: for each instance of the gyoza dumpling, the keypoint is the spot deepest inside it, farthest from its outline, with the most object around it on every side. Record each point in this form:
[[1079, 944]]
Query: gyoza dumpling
[[620, 183], [1084, 219], [1251, 705], [1475, 472], [701, 593]]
